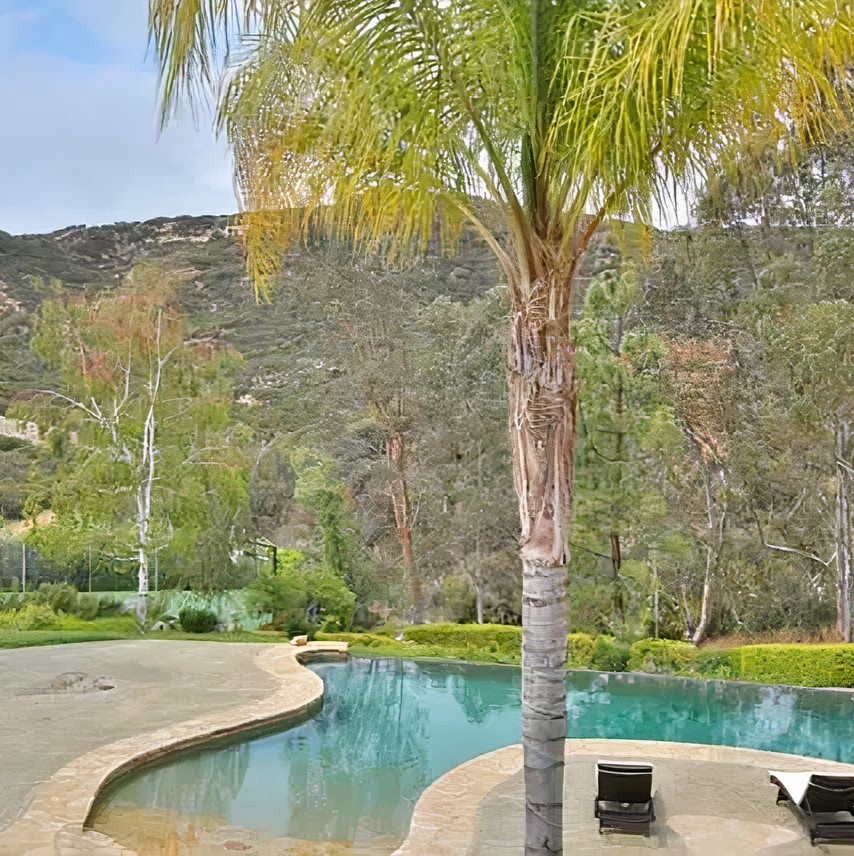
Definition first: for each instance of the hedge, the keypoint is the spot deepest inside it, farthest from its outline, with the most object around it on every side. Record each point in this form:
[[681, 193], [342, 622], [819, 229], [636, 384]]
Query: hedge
[[660, 656], [799, 665], [609, 655], [494, 638], [579, 650]]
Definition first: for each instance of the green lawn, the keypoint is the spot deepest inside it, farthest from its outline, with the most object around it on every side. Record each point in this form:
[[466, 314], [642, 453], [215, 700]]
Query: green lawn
[[30, 638]]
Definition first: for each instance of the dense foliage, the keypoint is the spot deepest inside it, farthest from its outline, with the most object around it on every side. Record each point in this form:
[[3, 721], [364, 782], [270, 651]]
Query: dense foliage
[[713, 399], [197, 619]]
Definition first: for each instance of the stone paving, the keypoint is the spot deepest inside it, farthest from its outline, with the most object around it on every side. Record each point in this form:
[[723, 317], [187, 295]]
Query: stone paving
[[225, 688], [59, 701], [710, 801]]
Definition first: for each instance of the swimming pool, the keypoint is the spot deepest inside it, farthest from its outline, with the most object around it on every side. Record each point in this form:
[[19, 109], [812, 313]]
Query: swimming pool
[[347, 780]]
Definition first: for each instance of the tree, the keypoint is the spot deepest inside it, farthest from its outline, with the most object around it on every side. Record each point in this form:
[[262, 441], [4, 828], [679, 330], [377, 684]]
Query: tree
[[133, 415], [393, 123], [812, 346]]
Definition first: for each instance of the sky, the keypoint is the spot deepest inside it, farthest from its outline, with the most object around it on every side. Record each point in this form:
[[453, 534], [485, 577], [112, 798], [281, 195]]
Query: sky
[[79, 137]]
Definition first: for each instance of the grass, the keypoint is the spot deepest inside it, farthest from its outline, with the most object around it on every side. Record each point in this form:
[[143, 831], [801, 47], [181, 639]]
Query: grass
[[31, 638]]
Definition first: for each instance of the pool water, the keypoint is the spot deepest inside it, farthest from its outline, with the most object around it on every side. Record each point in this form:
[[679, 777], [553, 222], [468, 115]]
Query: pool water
[[388, 728]]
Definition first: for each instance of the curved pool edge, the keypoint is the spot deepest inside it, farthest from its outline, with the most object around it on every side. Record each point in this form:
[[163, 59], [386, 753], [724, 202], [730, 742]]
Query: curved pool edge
[[54, 824], [445, 819]]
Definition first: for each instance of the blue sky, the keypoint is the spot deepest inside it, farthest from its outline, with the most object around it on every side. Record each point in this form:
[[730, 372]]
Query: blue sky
[[79, 140]]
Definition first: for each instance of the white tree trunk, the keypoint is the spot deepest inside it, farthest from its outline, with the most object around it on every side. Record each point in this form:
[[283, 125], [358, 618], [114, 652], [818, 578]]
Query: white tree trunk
[[146, 483], [705, 609], [544, 621], [143, 518]]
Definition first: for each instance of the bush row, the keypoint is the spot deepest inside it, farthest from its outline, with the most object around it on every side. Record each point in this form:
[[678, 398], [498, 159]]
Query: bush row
[[799, 665], [493, 638]]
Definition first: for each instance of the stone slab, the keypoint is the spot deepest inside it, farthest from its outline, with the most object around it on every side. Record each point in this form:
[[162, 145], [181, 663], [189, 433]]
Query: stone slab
[[709, 800]]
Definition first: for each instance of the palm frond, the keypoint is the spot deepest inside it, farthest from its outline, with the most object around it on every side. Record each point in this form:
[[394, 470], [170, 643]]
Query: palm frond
[[376, 119]]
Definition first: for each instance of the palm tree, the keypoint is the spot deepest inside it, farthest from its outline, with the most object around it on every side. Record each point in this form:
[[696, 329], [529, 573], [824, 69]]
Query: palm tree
[[393, 123]]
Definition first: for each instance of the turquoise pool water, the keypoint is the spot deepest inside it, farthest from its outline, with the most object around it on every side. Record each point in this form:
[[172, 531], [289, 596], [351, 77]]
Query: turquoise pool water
[[390, 727]]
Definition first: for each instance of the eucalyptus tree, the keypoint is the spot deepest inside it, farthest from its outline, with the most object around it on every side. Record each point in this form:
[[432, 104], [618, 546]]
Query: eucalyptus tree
[[130, 419], [395, 122], [812, 346]]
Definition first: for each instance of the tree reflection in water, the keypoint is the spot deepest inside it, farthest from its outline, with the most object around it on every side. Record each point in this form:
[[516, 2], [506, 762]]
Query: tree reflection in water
[[352, 774]]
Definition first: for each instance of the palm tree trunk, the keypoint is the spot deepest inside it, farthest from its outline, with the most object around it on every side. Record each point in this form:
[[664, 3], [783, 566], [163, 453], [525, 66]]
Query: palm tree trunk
[[542, 429]]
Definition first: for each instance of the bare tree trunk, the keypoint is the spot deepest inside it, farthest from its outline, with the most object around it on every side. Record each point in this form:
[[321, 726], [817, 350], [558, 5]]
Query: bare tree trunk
[[542, 429], [843, 530], [143, 516], [687, 618], [617, 603], [399, 490], [146, 482], [705, 609], [478, 601], [714, 546]]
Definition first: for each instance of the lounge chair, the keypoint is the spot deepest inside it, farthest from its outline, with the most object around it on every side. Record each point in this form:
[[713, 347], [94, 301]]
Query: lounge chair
[[624, 796], [823, 801]]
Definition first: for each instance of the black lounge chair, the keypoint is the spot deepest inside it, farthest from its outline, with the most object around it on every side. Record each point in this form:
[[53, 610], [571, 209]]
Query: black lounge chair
[[823, 801], [624, 796]]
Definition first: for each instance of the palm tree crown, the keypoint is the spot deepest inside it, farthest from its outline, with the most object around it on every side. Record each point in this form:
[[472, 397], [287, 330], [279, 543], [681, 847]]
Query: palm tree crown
[[372, 117]]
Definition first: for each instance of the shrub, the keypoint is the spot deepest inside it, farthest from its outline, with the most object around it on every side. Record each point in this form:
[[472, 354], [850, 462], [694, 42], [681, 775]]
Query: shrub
[[31, 616], [802, 665], [609, 655], [715, 664], [197, 619], [296, 625], [797, 665], [60, 597], [660, 656], [496, 638], [279, 593], [579, 650], [87, 606]]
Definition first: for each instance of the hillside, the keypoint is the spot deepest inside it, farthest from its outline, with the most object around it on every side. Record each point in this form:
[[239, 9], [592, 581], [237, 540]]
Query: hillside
[[215, 293]]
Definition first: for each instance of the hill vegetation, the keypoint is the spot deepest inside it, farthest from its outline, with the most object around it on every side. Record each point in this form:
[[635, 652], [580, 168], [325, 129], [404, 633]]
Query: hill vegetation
[[319, 433]]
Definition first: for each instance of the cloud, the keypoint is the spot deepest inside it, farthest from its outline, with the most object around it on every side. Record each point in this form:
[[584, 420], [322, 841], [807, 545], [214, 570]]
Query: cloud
[[80, 143]]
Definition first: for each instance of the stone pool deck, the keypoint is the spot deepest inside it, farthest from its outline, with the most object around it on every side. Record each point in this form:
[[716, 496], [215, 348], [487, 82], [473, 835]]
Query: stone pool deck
[[709, 801], [76, 716]]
